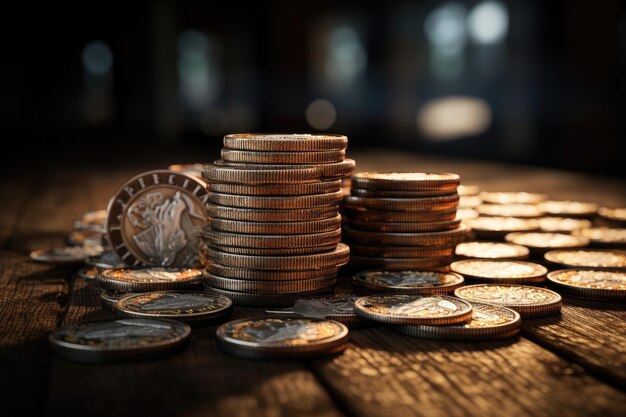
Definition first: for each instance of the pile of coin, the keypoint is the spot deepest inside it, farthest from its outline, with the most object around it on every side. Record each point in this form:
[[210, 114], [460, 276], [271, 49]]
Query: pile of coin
[[274, 227], [398, 221]]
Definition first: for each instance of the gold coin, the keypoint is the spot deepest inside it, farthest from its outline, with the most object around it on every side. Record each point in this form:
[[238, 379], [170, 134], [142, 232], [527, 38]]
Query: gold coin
[[562, 224], [405, 181], [587, 258], [500, 271], [284, 142], [491, 250], [509, 210], [590, 284], [512, 197], [542, 241], [467, 190], [466, 214], [603, 236], [301, 158], [569, 208]]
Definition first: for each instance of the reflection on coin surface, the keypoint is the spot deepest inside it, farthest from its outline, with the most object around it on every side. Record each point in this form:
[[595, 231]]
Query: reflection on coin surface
[[590, 284], [338, 307], [512, 197], [149, 279], [603, 235], [430, 282], [466, 214], [561, 224], [414, 309], [155, 218], [588, 258], [66, 254], [615, 214], [509, 210], [571, 208], [491, 250], [546, 240], [500, 270], [503, 224]]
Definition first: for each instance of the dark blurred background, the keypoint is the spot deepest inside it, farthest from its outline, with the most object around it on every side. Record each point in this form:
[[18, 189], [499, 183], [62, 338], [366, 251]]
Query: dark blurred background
[[534, 81]]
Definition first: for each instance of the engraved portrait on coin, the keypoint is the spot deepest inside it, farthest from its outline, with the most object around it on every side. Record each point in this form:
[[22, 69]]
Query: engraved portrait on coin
[[156, 217], [275, 331]]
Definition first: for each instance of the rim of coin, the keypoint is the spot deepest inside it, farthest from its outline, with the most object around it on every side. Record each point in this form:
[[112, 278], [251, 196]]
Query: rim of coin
[[364, 192], [406, 227], [561, 224], [277, 142], [246, 299], [447, 237], [489, 322], [501, 271], [509, 210], [282, 337], [271, 241], [192, 307], [590, 284], [569, 208], [469, 201], [466, 214], [292, 286], [249, 173], [405, 181], [337, 307], [193, 170], [65, 255], [276, 202], [288, 158], [302, 250], [413, 309], [401, 251], [491, 250], [603, 236], [338, 257], [468, 190], [400, 216], [546, 240], [129, 339], [403, 204], [502, 225], [149, 279], [407, 282], [260, 275], [529, 301], [131, 230], [616, 214], [321, 187], [108, 299], [277, 228], [512, 197], [261, 215], [587, 258], [399, 263]]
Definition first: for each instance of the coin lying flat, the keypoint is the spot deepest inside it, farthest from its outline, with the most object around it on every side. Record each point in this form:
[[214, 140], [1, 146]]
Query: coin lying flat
[[542, 241], [66, 255], [297, 250], [569, 208], [498, 227], [469, 201], [339, 308], [399, 263], [590, 284], [448, 237], [491, 250], [414, 309], [529, 302], [406, 282], [285, 143], [119, 340], [401, 251], [154, 217], [149, 279], [489, 322], [500, 271], [408, 181], [259, 275], [276, 202], [270, 215], [321, 187], [603, 236], [277, 228], [466, 214], [269, 299], [613, 214], [405, 227], [400, 216], [587, 258], [193, 170], [91, 221], [509, 210], [468, 189], [403, 204], [311, 157], [248, 173], [292, 286], [278, 338], [561, 224], [109, 298], [512, 197], [271, 240], [363, 192], [190, 307]]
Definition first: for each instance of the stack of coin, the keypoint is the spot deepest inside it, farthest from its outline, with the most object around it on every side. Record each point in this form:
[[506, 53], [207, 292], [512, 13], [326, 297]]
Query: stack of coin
[[274, 226], [399, 221]]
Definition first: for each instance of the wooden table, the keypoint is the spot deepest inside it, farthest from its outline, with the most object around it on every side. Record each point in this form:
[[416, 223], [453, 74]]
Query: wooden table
[[571, 365]]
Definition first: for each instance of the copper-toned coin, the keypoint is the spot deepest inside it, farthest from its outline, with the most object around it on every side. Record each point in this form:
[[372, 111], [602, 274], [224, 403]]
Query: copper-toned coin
[[91, 221], [590, 284], [469, 201], [363, 192], [282, 338], [613, 214], [119, 340], [270, 215], [339, 308], [466, 214], [88, 272], [403, 204], [296, 250], [500, 271], [321, 187], [154, 218], [255, 157], [509, 210], [270, 299], [467, 190], [512, 197], [227, 171], [498, 227], [400, 216], [587, 258], [489, 322], [219, 239], [603, 236], [285, 142], [292, 286], [529, 302], [491, 250], [399, 263], [569, 208], [406, 282], [192, 307], [193, 170], [276, 202], [149, 279], [277, 228], [445, 238], [259, 275], [66, 255], [561, 224], [405, 227], [414, 309], [380, 251], [109, 298], [543, 241], [408, 181]]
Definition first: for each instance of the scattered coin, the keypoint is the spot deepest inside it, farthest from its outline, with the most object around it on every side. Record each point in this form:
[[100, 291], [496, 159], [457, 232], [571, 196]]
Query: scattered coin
[[65, 255], [509, 210], [406, 282], [285, 143], [85, 238], [498, 227], [491, 250], [119, 340], [529, 302], [561, 224], [466, 213], [109, 298], [603, 236], [149, 279], [590, 284], [339, 308], [613, 214], [500, 271], [587, 258], [409, 181], [543, 241], [278, 338], [569, 208], [512, 197]]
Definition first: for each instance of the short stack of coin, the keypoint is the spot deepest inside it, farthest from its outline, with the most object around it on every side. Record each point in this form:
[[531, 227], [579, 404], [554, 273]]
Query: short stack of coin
[[400, 221], [274, 225]]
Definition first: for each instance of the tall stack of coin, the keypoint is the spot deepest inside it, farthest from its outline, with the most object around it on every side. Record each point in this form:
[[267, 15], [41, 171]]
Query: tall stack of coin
[[399, 221], [274, 225]]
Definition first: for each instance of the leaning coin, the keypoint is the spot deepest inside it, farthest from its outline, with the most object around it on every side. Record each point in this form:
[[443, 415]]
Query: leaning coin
[[512, 197], [405, 181], [321, 187], [403, 204], [406, 282], [509, 210], [285, 142], [529, 302], [149, 279], [590, 284], [395, 264], [491, 250], [119, 340], [617, 214], [287, 299], [561, 224], [500, 271], [498, 227], [603, 236], [109, 298], [544, 241], [295, 158], [194, 308], [569, 208], [282, 338], [489, 322], [414, 309], [65, 255], [588, 258], [339, 308]]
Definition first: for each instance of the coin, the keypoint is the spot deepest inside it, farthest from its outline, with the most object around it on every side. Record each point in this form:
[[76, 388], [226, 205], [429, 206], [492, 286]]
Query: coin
[[312, 157], [408, 181], [489, 322], [192, 170], [467, 190], [149, 279], [194, 308], [363, 192], [587, 258], [512, 197], [88, 272], [400, 251], [260, 275], [106, 260], [91, 221], [569, 208], [469, 201], [297, 250], [448, 237], [292, 286], [498, 227], [278, 228], [276, 202], [405, 226], [603, 236], [282, 338], [491, 250], [414, 309], [509, 210], [403, 204], [109, 298], [339, 308], [269, 215], [399, 263], [65, 255], [529, 302], [543, 241], [219, 239], [561, 224], [84, 238], [500, 271], [284, 142], [613, 214], [590, 284], [466, 213], [321, 187], [127, 339], [245, 299], [406, 282], [153, 219], [247, 173], [400, 216]]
